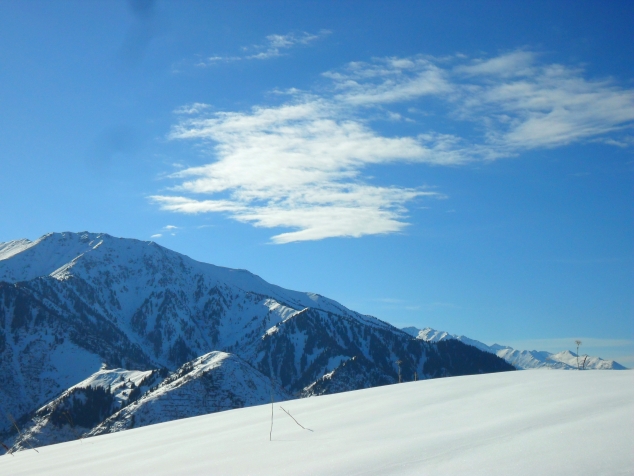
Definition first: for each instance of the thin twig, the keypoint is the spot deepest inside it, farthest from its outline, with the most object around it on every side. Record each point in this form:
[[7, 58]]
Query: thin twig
[[72, 427], [295, 420], [7, 448], [26, 440]]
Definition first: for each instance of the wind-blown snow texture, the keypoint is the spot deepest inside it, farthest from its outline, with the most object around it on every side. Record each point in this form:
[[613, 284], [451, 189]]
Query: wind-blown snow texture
[[521, 359], [514, 423], [75, 304]]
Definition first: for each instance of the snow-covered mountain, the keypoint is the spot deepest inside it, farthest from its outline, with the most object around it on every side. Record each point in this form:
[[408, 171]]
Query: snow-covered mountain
[[211, 383], [520, 359], [71, 303], [81, 407]]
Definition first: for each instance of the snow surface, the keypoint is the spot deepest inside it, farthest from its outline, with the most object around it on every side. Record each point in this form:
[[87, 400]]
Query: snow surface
[[116, 380], [520, 423]]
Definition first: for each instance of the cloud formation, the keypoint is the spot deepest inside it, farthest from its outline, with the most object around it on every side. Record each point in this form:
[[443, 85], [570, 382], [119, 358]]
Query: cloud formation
[[171, 229], [273, 47], [520, 103], [295, 166], [300, 165]]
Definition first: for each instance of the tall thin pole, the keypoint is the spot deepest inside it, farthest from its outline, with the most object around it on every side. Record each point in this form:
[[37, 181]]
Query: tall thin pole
[[271, 432]]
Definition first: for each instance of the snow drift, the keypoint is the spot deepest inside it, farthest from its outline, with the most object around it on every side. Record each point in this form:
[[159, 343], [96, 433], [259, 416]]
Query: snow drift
[[520, 423]]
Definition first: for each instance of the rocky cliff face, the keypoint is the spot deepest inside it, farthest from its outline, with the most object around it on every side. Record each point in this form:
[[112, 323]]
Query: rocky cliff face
[[74, 303]]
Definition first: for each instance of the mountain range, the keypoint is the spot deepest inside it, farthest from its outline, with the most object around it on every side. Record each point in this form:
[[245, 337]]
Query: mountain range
[[521, 359], [100, 334]]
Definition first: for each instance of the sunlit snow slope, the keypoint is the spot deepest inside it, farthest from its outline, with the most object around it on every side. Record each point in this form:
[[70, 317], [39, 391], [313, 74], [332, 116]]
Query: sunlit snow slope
[[519, 423]]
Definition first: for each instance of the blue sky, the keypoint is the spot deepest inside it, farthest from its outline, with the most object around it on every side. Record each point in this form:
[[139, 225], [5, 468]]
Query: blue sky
[[461, 165]]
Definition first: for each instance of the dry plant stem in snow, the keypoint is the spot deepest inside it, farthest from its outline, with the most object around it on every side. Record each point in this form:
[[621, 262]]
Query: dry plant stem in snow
[[26, 440], [295, 420], [72, 427], [578, 342], [271, 432], [6, 448]]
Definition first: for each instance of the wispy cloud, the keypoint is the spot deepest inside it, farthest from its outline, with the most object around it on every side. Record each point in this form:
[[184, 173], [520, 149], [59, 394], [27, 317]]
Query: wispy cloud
[[194, 108], [297, 166], [171, 229], [276, 44], [300, 165], [519, 103], [272, 47]]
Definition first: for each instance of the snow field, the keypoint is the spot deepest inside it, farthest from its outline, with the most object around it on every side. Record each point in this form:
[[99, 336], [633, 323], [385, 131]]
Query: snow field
[[521, 423]]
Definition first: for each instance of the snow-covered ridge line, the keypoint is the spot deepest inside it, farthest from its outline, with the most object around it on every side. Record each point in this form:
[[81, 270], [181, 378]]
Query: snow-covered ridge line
[[520, 359], [59, 254], [67, 416], [70, 302]]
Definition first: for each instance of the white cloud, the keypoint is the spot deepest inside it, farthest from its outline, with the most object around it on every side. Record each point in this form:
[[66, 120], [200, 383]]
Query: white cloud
[[522, 104], [517, 63], [273, 46], [276, 43], [194, 108], [300, 165], [158, 235], [390, 80]]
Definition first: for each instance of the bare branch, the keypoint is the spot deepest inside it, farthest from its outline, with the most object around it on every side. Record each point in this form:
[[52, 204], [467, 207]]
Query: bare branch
[[26, 439], [295, 420], [7, 448]]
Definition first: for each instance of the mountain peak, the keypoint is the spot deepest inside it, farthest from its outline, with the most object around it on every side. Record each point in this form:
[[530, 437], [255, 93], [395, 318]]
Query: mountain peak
[[89, 298], [521, 359]]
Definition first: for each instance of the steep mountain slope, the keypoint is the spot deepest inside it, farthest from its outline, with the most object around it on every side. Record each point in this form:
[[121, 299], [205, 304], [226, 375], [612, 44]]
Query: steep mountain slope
[[211, 383], [45, 348], [351, 355], [520, 359], [70, 302], [174, 306], [81, 407]]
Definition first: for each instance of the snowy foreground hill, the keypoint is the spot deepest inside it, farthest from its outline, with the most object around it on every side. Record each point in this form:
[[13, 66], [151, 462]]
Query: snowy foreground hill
[[519, 423], [521, 359], [100, 334]]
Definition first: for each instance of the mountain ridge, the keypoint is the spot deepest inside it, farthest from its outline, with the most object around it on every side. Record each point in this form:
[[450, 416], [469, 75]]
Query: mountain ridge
[[520, 359], [91, 299]]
